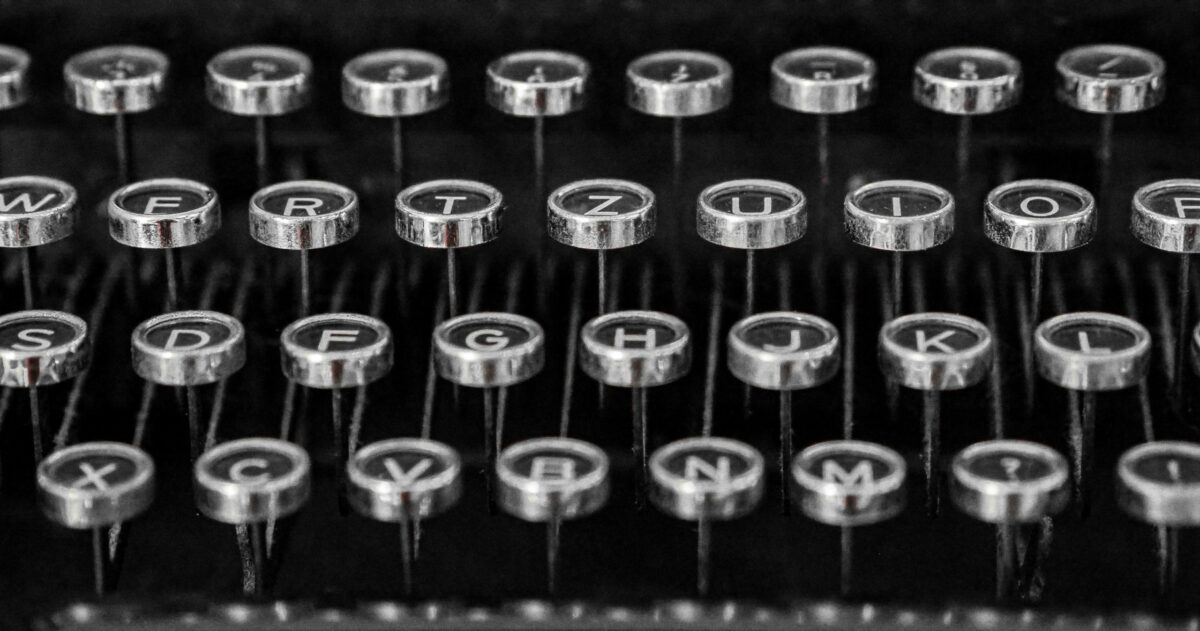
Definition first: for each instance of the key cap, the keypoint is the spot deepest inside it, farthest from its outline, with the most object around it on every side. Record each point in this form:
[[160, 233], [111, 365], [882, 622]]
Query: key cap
[[601, 215], [899, 216], [783, 351], [304, 215], [14, 77], [94, 485], [934, 352], [262, 82], [967, 81], [823, 80], [706, 479], [164, 214], [551, 480], [404, 481], [41, 348], [1159, 483], [849, 482], [116, 81], [449, 214], [637, 350], [34, 211], [396, 83]]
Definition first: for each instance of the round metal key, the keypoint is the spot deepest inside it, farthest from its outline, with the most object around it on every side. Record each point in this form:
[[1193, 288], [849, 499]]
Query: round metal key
[[485, 350], [1009, 481], [849, 482], [967, 81], [188, 348], [1159, 483], [404, 479], [751, 214], [1092, 351], [823, 80], [395, 82], [163, 213], [252, 480], [783, 350], [449, 213], [601, 214], [336, 350], [116, 79], [636, 349], [14, 77], [679, 83], [303, 215], [95, 484], [1040, 216], [259, 80], [935, 351], [1111, 79], [549, 479], [706, 478], [899, 215], [538, 83], [1166, 215], [40, 348], [35, 211]]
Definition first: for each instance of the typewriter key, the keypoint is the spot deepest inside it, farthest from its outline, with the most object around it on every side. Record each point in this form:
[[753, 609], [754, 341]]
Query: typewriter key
[[14, 77], [823, 80], [91, 486], [551, 480], [678, 84], [783, 351], [638, 350], [303, 215], [41, 348], [934, 352], [1110, 79], [1039, 216], [1008, 483], [449, 214], [164, 214], [404, 480], [332, 351], [965, 82], [1166, 215], [751, 215], [601, 215], [900, 216], [537, 84], [1159, 483], [259, 81], [1087, 352], [706, 479], [251, 482], [395, 83], [34, 211], [188, 349], [489, 351], [115, 81]]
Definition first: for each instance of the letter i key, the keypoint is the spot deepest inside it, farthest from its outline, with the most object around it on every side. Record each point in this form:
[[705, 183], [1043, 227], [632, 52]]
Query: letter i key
[[34, 211]]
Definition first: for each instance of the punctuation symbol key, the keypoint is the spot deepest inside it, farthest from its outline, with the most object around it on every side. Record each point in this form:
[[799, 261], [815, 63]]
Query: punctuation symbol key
[[1110, 78], [259, 80], [14, 77], [538, 83], [967, 81], [849, 483], [1009, 481], [1040, 216], [823, 80], [679, 83], [95, 484], [116, 79], [1159, 483]]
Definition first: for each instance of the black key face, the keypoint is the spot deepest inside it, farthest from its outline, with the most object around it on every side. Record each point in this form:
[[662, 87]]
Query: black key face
[[936, 337], [252, 466], [602, 201], [1177, 202], [1002, 465], [1040, 202], [636, 334], [335, 335], [488, 335], [678, 69], [900, 202], [163, 201], [1108, 64], [405, 467], [37, 334], [749, 202], [538, 69], [449, 201], [397, 69], [1093, 338], [302, 202], [553, 465], [125, 64], [95, 473], [850, 471], [784, 336], [1168, 467], [708, 465], [258, 64], [187, 334], [824, 67], [968, 66], [27, 198]]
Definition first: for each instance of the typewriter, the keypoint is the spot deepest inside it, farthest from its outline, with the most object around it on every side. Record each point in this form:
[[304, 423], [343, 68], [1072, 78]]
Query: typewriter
[[598, 314]]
